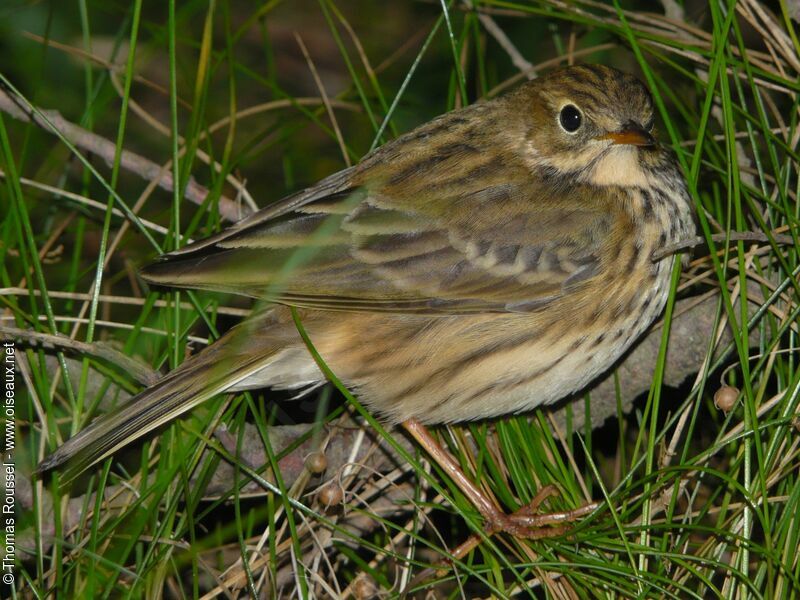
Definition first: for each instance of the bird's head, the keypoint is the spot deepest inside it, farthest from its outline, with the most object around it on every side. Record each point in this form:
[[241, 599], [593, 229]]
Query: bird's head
[[589, 123]]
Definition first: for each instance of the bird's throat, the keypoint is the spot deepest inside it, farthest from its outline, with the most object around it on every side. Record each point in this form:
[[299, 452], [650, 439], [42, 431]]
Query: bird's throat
[[620, 166]]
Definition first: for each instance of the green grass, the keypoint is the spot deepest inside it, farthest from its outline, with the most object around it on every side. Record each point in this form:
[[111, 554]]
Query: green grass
[[696, 502]]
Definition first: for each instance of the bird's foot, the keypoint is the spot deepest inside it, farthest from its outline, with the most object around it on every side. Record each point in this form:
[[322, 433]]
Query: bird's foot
[[525, 523], [528, 523]]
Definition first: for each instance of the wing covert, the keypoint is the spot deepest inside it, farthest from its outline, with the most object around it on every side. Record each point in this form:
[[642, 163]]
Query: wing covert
[[472, 231]]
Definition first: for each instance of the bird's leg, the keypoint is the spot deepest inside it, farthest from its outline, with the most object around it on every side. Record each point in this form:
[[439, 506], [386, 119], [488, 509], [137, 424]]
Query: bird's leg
[[472, 541], [522, 524]]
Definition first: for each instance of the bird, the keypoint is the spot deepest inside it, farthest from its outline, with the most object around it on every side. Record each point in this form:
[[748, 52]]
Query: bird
[[494, 259]]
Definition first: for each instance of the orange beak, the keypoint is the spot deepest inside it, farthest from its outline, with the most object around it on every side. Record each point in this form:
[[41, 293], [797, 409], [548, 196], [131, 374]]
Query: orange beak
[[632, 134]]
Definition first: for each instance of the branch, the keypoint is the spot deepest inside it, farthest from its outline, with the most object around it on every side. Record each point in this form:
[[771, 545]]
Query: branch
[[733, 236], [50, 120], [137, 369]]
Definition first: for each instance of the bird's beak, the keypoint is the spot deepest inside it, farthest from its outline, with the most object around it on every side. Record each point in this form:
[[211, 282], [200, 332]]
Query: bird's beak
[[632, 134]]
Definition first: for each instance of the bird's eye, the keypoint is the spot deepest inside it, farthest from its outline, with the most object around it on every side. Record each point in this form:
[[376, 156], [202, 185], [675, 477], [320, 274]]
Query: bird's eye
[[650, 122], [570, 118]]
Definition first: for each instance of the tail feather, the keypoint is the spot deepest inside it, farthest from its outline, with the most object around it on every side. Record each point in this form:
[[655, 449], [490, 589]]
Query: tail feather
[[227, 364]]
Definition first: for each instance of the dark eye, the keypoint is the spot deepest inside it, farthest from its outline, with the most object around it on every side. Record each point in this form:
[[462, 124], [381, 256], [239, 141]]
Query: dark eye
[[570, 118], [650, 122]]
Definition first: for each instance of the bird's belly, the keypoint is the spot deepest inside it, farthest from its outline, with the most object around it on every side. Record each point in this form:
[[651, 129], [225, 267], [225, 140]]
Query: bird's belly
[[449, 369]]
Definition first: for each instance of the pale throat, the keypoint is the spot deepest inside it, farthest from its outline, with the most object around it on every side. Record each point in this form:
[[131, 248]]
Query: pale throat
[[620, 166]]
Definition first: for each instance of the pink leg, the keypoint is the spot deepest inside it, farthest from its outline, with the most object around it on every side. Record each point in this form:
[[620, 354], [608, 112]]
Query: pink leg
[[522, 524]]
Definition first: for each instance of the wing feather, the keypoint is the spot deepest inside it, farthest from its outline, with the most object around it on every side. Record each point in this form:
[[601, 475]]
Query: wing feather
[[483, 234]]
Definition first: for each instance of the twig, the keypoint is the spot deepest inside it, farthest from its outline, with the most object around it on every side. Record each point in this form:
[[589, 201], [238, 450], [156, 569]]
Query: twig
[[140, 371], [83, 200], [112, 299], [733, 236], [81, 320], [500, 36], [105, 149], [324, 95]]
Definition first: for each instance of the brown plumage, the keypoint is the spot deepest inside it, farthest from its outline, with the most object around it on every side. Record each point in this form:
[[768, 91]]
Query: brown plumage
[[488, 262]]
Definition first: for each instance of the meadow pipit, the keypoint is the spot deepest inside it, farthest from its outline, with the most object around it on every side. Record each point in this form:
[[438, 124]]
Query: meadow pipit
[[492, 260]]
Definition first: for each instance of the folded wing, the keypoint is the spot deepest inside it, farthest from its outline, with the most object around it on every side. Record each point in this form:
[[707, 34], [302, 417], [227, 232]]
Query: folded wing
[[467, 232]]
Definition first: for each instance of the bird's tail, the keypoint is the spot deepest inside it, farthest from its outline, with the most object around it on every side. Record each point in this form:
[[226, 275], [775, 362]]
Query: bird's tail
[[245, 353]]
